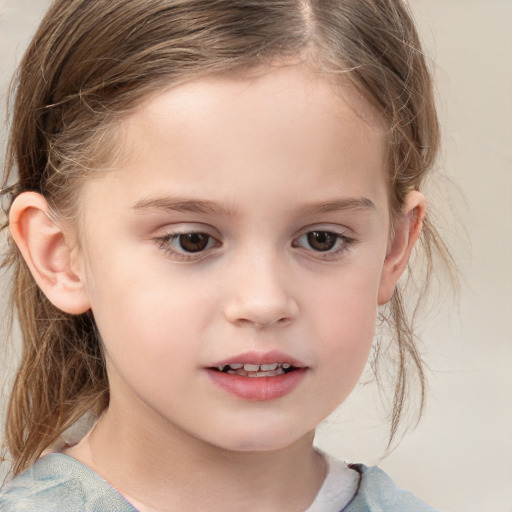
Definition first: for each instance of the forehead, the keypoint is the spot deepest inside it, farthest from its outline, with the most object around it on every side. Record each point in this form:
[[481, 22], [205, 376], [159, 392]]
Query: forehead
[[277, 126], [264, 89]]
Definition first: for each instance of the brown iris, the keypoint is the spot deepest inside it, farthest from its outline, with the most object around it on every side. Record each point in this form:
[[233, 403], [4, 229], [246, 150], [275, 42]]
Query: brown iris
[[322, 240], [194, 242]]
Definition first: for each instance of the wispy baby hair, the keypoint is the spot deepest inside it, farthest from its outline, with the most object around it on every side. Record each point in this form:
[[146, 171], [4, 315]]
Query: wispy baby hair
[[92, 63]]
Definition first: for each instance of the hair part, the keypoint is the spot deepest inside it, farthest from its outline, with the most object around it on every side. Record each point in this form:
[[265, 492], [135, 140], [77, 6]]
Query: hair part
[[92, 63]]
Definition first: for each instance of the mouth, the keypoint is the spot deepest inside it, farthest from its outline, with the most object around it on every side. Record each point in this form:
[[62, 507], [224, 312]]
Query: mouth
[[256, 370], [256, 376]]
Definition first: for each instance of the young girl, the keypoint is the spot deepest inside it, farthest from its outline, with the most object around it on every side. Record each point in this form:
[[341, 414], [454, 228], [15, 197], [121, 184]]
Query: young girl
[[209, 202]]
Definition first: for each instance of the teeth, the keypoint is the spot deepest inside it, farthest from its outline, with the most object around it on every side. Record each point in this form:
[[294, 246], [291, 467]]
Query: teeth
[[255, 370], [274, 373]]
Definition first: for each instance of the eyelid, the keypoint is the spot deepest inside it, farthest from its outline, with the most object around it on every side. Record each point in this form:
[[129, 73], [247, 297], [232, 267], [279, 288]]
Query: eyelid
[[347, 241], [187, 227], [169, 235], [328, 227]]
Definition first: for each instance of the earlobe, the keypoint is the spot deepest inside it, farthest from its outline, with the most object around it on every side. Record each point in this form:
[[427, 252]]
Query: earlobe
[[406, 234], [46, 252]]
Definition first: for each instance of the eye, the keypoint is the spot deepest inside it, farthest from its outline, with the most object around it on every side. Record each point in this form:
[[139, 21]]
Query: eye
[[323, 241], [183, 245], [191, 242]]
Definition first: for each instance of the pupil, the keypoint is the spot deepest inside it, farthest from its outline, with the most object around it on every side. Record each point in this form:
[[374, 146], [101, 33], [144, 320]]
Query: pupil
[[322, 240], [194, 242]]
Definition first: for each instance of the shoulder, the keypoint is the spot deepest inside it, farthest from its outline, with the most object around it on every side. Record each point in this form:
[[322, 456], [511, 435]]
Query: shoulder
[[56, 483], [378, 493]]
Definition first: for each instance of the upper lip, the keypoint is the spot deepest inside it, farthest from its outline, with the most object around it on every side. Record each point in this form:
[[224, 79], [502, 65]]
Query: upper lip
[[255, 357]]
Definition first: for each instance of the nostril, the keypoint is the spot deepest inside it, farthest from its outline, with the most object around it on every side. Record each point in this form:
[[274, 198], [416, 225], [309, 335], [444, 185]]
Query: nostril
[[262, 323], [260, 310]]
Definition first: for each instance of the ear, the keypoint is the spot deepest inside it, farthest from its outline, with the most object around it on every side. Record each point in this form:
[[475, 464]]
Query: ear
[[46, 252], [406, 234]]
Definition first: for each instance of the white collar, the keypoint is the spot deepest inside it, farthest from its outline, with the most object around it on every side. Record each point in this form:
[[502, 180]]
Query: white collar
[[339, 487]]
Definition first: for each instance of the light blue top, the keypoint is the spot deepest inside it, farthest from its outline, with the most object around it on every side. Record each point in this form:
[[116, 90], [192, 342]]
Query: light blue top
[[58, 483]]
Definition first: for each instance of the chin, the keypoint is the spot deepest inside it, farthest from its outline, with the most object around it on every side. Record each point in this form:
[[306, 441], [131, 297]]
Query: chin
[[261, 439]]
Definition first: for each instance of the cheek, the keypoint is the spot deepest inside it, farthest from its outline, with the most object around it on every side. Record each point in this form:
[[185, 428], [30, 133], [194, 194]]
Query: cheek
[[132, 311], [346, 319], [124, 303], [147, 339], [142, 309], [348, 339]]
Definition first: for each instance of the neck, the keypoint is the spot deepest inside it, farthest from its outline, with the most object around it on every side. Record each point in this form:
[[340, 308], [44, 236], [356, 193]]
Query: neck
[[175, 471]]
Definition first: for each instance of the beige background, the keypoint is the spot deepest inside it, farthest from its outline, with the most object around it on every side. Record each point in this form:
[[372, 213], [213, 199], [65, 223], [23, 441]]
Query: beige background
[[460, 457]]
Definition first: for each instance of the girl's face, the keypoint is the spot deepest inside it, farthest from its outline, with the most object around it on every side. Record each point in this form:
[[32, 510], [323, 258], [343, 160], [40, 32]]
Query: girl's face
[[246, 223]]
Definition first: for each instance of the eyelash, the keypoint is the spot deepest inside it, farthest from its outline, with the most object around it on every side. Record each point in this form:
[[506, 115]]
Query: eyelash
[[165, 243], [342, 241]]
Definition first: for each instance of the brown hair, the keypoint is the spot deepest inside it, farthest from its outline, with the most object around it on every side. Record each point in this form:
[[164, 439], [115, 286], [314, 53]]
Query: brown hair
[[91, 63]]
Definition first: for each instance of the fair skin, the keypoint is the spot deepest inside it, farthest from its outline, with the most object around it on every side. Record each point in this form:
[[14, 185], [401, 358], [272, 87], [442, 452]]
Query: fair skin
[[282, 181]]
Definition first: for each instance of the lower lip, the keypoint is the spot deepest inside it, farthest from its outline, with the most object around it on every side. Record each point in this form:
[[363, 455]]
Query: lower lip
[[258, 388]]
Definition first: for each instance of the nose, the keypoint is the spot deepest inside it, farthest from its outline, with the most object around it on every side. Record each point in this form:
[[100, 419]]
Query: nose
[[261, 295]]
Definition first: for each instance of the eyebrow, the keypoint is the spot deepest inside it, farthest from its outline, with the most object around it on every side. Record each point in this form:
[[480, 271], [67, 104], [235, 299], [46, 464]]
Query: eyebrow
[[345, 204], [177, 204], [170, 204]]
